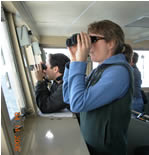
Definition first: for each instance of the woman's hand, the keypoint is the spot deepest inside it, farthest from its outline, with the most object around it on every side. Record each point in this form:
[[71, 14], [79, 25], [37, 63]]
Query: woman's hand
[[72, 51], [83, 46], [80, 51]]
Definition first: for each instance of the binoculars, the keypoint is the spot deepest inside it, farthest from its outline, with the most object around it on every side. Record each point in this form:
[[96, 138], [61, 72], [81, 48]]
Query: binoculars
[[43, 66], [73, 40]]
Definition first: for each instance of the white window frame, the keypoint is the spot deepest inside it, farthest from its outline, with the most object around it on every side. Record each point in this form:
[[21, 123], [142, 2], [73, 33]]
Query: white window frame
[[9, 59]]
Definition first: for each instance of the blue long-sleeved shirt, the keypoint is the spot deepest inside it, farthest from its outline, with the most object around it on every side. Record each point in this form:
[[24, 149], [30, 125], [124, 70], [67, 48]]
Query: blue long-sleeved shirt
[[113, 84]]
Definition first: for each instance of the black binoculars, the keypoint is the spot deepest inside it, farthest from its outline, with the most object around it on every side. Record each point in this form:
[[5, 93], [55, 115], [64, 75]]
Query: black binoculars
[[43, 66], [73, 40]]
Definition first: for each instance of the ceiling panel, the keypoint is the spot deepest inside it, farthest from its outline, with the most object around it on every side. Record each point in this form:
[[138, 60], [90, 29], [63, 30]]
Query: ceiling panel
[[62, 18]]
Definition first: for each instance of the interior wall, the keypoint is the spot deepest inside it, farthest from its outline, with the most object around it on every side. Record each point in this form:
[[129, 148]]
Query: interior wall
[[60, 41], [53, 41], [144, 45]]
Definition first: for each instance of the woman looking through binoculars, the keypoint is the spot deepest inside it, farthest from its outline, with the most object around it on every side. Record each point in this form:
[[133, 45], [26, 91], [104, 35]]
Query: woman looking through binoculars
[[104, 97]]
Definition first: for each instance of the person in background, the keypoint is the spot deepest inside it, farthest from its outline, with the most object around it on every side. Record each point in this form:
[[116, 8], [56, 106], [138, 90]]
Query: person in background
[[49, 98], [104, 97], [137, 103]]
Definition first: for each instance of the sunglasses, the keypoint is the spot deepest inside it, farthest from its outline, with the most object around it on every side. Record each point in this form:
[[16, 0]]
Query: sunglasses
[[94, 39], [73, 40]]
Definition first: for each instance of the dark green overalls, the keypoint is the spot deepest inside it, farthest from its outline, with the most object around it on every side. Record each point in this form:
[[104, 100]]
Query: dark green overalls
[[105, 129]]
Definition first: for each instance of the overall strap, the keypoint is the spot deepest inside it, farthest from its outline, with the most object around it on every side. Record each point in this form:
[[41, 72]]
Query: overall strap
[[96, 75]]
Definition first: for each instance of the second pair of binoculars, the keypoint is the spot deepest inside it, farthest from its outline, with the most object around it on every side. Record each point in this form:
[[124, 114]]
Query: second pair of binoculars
[[73, 40], [43, 66]]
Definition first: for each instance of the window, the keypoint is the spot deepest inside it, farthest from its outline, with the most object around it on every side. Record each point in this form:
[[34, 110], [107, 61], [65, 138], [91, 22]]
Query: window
[[56, 50], [143, 64], [9, 77], [95, 64]]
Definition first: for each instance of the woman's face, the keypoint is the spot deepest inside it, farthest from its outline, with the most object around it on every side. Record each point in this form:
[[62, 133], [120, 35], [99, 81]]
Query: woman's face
[[100, 50]]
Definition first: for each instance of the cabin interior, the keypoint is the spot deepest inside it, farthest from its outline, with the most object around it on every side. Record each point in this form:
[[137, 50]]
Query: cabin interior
[[30, 29]]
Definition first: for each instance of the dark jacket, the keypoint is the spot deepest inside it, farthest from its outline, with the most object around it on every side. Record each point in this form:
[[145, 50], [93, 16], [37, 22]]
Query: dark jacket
[[49, 100], [137, 103], [137, 82]]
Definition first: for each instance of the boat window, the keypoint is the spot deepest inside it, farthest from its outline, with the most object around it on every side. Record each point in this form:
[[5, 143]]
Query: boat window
[[9, 76], [56, 50]]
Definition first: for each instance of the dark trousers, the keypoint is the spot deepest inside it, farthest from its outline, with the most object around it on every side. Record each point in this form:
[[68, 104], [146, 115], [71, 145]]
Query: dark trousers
[[92, 151], [78, 117]]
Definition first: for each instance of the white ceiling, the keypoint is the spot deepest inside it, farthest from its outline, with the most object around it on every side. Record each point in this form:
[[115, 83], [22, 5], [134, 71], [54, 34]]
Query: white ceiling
[[63, 18]]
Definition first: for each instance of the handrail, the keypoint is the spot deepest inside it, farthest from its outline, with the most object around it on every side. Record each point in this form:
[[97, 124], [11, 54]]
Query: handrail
[[145, 116]]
